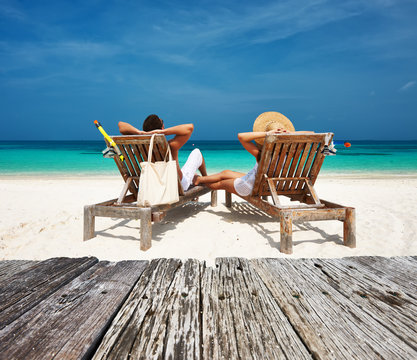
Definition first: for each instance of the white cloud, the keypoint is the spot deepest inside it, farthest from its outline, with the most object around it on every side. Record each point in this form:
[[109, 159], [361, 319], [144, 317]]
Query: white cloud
[[407, 86]]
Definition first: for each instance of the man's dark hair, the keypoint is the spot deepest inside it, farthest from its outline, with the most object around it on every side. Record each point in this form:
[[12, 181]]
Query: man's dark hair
[[152, 122]]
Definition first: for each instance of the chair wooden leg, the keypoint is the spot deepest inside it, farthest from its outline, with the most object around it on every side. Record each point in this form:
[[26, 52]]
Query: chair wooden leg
[[349, 228], [89, 222], [145, 228], [228, 199], [286, 232], [214, 198]]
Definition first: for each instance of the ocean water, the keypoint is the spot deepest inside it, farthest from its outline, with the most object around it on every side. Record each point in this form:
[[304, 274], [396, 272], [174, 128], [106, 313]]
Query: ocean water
[[84, 158]]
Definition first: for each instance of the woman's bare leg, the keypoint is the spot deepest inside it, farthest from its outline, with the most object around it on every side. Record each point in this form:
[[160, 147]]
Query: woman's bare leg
[[224, 175], [227, 185]]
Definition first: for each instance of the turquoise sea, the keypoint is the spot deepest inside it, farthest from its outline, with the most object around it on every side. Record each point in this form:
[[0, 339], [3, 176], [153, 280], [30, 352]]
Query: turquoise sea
[[84, 158]]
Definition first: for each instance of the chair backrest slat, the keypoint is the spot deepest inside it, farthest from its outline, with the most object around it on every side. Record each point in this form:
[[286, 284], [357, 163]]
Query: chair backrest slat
[[134, 161], [291, 158], [305, 148], [287, 163], [318, 162], [137, 153], [307, 166], [123, 171], [129, 162], [294, 165], [263, 166], [275, 158]]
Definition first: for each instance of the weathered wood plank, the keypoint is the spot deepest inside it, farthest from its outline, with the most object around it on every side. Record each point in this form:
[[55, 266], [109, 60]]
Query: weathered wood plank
[[307, 165], [210, 316], [291, 138], [138, 139], [395, 270], [134, 162], [286, 166], [131, 211], [145, 228], [300, 166], [331, 325], [241, 320], [383, 300], [318, 161], [26, 289], [70, 322], [274, 160], [214, 198], [9, 268], [89, 223], [262, 167], [160, 319]]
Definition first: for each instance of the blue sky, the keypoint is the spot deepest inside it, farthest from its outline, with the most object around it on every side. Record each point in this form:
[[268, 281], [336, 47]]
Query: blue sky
[[344, 66]]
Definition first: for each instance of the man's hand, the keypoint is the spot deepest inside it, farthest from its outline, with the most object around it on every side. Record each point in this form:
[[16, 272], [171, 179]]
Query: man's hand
[[157, 131]]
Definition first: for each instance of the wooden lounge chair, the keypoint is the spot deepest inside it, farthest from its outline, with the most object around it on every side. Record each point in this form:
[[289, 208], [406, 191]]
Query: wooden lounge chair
[[135, 150], [289, 166]]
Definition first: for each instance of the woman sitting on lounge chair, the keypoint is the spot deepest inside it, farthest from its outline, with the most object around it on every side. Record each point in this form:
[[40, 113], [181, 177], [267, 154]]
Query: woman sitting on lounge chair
[[268, 123]]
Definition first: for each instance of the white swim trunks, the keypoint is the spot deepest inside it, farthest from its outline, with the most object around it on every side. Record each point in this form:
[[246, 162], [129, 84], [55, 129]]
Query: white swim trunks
[[244, 184], [194, 161]]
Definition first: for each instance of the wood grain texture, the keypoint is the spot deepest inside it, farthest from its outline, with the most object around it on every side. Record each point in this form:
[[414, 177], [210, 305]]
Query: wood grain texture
[[349, 308], [214, 198], [241, 320], [401, 271], [379, 297], [330, 324], [70, 322], [160, 319], [26, 289], [9, 268]]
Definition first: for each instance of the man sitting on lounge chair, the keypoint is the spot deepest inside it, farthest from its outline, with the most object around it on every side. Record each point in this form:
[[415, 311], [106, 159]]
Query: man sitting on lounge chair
[[154, 125]]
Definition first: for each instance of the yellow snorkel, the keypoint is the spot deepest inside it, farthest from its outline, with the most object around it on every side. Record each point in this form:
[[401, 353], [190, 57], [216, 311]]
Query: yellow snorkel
[[109, 139]]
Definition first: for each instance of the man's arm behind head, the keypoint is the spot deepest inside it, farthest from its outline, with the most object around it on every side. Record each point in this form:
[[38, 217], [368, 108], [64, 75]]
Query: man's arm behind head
[[127, 129]]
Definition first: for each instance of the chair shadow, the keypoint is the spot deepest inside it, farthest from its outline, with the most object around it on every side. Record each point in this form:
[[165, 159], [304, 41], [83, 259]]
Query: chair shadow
[[247, 213], [240, 212], [173, 217]]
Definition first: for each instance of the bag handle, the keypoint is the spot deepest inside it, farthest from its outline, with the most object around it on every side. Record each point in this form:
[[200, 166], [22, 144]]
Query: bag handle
[[151, 148], [168, 152]]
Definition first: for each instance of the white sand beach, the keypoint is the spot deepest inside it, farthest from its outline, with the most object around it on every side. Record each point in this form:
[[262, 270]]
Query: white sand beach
[[43, 218]]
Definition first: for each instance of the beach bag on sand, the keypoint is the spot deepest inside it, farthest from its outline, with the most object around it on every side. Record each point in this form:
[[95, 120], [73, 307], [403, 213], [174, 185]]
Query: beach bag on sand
[[158, 183]]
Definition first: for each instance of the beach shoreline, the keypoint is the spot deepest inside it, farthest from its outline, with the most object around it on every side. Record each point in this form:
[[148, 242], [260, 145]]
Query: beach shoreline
[[42, 217]]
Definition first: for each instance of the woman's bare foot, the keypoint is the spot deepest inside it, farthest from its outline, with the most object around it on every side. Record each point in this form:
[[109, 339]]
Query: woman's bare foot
[[196, 180]]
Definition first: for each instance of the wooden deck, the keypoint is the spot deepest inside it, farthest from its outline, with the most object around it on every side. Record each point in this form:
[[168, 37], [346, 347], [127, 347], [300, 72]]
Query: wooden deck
[[351, 308]]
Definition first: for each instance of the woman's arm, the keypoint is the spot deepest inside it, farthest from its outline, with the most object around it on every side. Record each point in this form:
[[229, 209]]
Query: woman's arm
[[247, 138], [246, 141]]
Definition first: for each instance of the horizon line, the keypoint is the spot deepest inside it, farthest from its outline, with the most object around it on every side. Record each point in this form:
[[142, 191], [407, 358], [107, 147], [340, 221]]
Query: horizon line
[[72, 140]]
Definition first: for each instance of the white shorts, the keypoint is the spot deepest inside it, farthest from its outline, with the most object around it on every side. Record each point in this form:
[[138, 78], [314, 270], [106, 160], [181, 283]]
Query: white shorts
[[194, 161], [244, 185]]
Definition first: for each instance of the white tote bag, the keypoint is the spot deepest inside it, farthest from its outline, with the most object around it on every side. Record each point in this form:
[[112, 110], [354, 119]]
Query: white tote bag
[[158, 183]]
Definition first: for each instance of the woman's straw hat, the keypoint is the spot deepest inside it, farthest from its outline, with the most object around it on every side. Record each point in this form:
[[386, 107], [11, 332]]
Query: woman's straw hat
[[271, 120]]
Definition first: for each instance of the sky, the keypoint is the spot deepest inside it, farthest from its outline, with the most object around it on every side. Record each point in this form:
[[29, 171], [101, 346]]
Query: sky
[[349, 67]]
